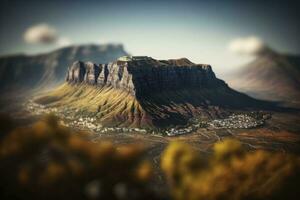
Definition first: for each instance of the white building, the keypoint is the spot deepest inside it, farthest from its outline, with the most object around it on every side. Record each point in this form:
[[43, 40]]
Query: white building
[[130, 58]]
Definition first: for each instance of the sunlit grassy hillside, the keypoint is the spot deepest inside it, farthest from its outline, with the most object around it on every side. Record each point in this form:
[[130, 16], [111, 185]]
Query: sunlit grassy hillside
[[117, 107], [108, 105]]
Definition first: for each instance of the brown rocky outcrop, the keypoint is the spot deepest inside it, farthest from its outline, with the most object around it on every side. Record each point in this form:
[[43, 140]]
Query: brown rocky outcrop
[[142, 76]]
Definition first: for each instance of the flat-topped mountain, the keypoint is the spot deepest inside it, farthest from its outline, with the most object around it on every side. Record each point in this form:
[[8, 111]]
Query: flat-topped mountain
[[144, 75], [142, 92]]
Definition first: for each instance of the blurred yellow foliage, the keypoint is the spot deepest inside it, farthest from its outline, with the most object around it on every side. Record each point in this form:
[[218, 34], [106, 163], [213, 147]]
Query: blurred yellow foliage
[[49, 161], [230, 173], [144, 171]]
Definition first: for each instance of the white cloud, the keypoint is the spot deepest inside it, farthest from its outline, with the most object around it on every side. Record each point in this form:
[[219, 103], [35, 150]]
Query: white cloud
[[247, 46], [40, 34], [63, 42]]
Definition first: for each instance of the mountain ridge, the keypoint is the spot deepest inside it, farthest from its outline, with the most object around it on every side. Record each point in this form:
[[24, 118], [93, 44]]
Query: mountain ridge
[[271, 76], [42, 70]]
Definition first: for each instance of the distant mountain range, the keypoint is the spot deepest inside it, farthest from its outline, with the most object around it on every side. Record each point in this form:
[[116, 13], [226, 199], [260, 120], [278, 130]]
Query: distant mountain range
[[271, 76], [23, 72], [144, 92]]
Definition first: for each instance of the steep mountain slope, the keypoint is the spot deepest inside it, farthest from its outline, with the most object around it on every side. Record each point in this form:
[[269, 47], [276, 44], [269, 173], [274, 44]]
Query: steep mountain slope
[[144, 92], [22, 71], [271, 76]]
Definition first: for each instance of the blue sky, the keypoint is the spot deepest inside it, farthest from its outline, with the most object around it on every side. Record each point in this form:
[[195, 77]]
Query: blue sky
[[198, 30]]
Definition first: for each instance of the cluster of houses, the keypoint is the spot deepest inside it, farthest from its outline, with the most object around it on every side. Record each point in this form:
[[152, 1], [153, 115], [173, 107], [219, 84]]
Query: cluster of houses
[[179, 131], [97, 127], [79, 122], [234, 121]]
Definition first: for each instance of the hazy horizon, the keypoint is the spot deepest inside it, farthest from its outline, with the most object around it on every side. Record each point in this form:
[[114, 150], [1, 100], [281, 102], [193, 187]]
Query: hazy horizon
[[198, 30]]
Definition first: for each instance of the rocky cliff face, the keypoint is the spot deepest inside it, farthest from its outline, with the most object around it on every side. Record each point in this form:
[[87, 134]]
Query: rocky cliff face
[[144, 76]]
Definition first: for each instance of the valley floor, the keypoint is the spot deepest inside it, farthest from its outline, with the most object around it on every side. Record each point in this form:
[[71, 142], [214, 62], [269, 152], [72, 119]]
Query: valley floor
[[279, 131]]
